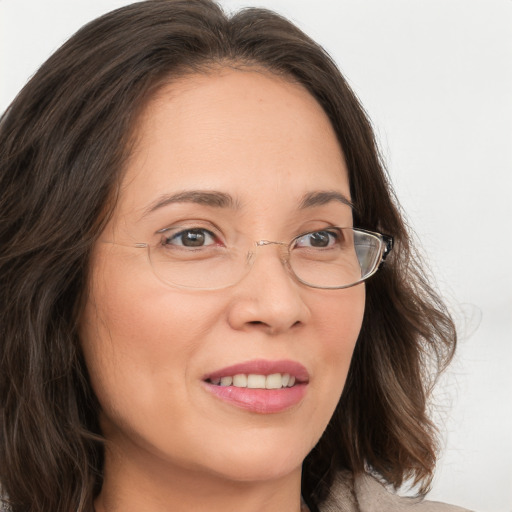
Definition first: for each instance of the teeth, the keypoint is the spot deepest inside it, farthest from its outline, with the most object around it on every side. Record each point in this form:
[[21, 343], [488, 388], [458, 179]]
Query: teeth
[[274, 381], [240, 380], [226, 381], [256, 381]]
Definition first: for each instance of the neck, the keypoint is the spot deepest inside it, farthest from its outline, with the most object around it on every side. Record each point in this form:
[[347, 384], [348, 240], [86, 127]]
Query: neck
[[132, 485]]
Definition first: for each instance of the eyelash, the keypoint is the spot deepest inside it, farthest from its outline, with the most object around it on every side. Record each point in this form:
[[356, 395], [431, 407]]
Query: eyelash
[[199, 234], [333, 236]]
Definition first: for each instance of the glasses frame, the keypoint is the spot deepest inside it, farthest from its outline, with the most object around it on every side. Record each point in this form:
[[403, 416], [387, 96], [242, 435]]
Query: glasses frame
[[386, 245]]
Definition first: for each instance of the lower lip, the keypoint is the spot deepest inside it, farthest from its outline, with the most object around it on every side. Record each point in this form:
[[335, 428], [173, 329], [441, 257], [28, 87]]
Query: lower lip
[[261, 401]]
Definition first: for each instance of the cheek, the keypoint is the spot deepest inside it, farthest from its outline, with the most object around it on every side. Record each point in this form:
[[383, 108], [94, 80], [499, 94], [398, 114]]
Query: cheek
[[337, 321], [139, 339]]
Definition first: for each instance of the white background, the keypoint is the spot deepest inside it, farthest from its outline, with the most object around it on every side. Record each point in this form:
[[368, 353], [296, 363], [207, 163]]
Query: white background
[[436, 79]]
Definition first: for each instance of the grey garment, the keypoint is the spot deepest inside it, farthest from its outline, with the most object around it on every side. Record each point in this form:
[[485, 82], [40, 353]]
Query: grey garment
[[364, 493]]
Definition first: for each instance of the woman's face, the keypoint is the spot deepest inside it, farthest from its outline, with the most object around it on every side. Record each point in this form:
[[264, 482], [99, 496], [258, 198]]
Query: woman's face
[[243, 150]]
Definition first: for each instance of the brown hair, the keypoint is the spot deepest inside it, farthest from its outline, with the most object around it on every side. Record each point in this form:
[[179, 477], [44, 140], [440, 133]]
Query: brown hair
[[63, 142]]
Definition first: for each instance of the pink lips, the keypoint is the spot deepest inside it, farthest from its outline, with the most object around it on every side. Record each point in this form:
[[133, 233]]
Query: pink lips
[[262, 401]]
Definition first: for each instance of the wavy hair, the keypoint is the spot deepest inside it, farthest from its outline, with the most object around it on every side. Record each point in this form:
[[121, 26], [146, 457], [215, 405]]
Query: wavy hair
[[63, 144]]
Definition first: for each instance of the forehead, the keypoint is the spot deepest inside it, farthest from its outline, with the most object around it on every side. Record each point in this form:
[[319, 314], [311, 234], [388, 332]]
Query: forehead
[[240, 131]]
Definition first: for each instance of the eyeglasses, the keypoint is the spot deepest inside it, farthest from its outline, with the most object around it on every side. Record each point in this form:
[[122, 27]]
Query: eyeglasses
[[330, 258]]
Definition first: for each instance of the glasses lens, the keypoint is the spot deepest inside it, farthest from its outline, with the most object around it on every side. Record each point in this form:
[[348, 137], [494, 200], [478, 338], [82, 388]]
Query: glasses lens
[[196, 266], [335, 257]]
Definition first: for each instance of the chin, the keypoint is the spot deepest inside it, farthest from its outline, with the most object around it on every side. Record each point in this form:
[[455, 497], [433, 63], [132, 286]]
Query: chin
[[260, 467], [258, 457]]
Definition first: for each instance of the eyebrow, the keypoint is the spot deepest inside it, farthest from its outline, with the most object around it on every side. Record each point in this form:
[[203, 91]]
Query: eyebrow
[[219, 199], [204, 197], [322, 197]]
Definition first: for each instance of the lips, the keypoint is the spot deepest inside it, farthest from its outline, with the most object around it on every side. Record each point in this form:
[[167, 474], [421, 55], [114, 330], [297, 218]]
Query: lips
[[260, 386]]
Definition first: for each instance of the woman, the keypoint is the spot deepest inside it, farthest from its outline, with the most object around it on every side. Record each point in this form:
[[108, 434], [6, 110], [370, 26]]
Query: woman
[[209, 297]]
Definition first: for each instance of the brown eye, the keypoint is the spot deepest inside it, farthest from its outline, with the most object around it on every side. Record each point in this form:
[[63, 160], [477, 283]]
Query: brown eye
[[195, 237], [318, 239]]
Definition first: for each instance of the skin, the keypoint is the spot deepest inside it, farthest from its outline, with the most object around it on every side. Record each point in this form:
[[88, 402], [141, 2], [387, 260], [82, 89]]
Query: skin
[[171, 444]]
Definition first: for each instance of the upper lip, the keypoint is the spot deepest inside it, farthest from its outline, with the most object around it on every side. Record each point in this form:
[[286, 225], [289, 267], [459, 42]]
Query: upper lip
[[262, 367]]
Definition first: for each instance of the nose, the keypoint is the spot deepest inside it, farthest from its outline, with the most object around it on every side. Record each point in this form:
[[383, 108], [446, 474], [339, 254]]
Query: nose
[[268, 298]]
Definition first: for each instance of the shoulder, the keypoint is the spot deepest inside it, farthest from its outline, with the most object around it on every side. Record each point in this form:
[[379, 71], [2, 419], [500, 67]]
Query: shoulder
[[365, 493]]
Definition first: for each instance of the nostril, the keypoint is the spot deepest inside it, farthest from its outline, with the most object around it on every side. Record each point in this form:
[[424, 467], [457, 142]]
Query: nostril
[[259, 323]]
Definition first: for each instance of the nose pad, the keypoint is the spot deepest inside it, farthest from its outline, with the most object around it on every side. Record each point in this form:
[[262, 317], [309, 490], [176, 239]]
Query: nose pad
[[268, 297], [283, 248], [284, 256]]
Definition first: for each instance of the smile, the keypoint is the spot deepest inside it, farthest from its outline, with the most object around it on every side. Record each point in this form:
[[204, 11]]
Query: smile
[[260, 386]]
